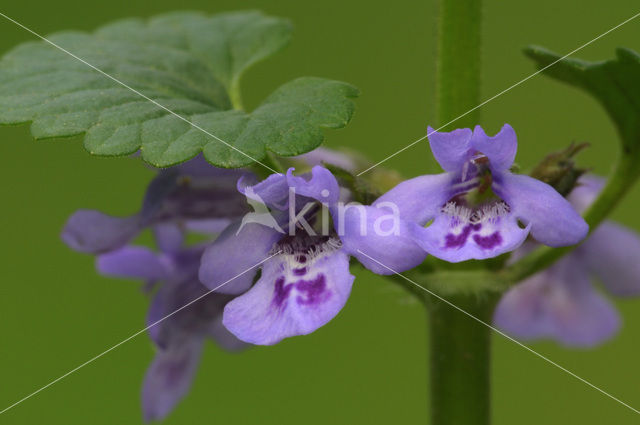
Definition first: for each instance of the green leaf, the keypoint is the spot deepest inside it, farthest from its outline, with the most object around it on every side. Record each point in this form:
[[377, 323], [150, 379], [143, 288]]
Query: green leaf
[[187, 62], [288, 123], [227, 43], [614, 83]]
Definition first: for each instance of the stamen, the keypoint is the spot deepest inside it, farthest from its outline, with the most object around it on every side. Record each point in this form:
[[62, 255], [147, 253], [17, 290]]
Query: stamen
[[302, 250], [487, 212], [465, 170], [460, 212], [492, 211], [480, 159], [465, 185]]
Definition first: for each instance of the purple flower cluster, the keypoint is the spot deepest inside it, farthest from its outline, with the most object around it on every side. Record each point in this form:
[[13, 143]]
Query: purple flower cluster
[[190, 197], [561, 303], [302, 232]]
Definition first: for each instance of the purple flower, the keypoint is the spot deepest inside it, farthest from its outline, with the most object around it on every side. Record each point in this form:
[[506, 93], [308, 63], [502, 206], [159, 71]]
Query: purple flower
[[306, 282], [180, 336], [478, 208], [194, 194], [561, 303]]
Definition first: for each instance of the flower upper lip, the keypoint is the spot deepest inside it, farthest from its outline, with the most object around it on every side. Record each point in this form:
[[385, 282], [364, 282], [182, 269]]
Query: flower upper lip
[[465, 155]]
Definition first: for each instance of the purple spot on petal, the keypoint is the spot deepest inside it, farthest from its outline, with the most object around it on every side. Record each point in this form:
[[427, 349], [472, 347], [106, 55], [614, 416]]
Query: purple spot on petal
[[301, 258], [458, 241], [314, 290], [281, 292], [300, 272], [488, 242]]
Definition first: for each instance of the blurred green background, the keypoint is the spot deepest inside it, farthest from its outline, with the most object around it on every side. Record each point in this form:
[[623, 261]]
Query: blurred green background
[[369, 364]]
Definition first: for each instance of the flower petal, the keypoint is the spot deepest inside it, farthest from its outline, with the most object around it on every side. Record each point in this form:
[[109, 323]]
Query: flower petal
[[583, 195], [232, 260], [169, 378], [419, 199], [452, 239], [133, 262], [272, 191], [379, 233], [181, 309], [452, 149], [559, 304], [169, 237], [159, 190], [212, 226], [554, 222], [292, 297], [93, 232], [612, 253], [224, 338], [500, 149], [156, 323], [321, 186]]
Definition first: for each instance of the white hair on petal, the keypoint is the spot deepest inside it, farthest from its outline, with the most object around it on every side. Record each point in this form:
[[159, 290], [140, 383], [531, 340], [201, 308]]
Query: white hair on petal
[[487, 212], [460, 212], [291, 252], [492, 211], [332, 244]]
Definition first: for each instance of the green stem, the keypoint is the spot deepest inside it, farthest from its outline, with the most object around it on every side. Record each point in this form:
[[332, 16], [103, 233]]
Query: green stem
[[272, 161], [623, 177], [451, 282], [267, 166], [235, 95], [460, 349], [460, 361], [459, 66]]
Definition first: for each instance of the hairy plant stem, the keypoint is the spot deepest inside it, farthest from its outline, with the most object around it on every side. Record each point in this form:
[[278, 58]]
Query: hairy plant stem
[[268, 166], [460, 346], [459, 360], [458, 62]]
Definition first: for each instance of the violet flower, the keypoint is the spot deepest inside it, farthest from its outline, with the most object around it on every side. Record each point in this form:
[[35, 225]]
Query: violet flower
[[478, 208], [561, 303], [194, 194], [307, 281], [178, 333]]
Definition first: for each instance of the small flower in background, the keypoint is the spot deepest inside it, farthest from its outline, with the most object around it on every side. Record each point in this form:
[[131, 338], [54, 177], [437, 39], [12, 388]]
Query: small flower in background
[[307, 281], [478, 208], [177, 331], [195, 194], [561, 303]]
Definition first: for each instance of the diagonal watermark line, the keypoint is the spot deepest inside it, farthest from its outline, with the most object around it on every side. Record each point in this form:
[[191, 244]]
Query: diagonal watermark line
[[269, 168], [503, 334], [135, 91], [502, 92], [91, 360]]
